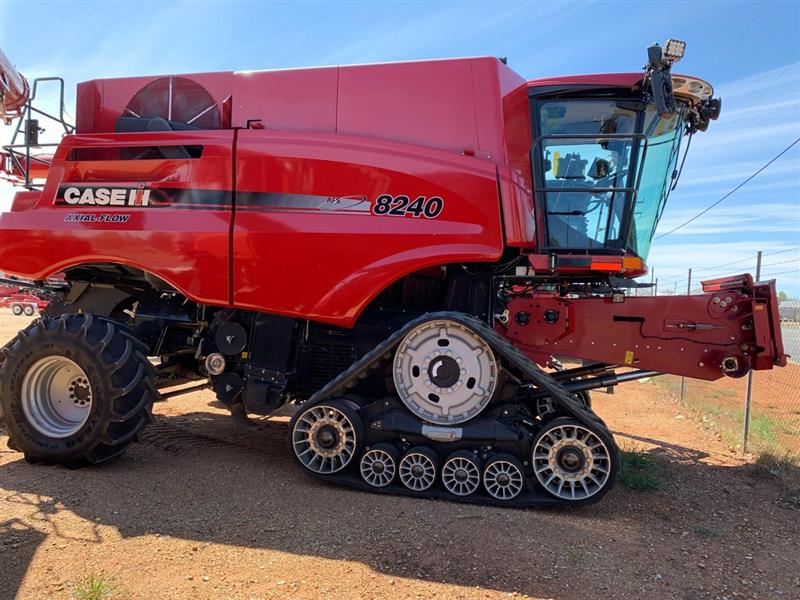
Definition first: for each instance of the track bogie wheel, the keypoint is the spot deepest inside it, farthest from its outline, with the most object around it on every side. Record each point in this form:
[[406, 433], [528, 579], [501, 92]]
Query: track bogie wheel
[[503, 477], [417, 468], [461, 473], [326, 437], [379, 465], [574, 462]]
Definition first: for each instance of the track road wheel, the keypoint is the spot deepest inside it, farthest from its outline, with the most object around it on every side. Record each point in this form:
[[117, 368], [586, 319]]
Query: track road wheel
[[461, 474], [75, 390], [16, 309], [326, 437], [28, 310], [573, 462], [379, 465], [418, 468], [503, 477]]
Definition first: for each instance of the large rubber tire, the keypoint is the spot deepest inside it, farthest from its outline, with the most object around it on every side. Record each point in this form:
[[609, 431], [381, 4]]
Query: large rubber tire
[[16, 309], [28, 310], [122, 388]]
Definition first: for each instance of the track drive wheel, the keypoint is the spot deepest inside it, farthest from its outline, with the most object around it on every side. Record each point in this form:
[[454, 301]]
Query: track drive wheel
[[75, 390], [326, 437], [574, 462]]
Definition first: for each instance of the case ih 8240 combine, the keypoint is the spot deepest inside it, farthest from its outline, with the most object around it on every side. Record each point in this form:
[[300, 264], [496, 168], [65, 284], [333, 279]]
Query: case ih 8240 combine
[[400, 250]]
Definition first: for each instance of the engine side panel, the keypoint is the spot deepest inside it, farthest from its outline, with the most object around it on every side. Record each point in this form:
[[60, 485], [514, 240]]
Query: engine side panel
[[181, 235], [310, 240]]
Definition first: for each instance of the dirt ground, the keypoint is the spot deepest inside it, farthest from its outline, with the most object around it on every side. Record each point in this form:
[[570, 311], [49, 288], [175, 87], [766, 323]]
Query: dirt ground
[[200, 509]]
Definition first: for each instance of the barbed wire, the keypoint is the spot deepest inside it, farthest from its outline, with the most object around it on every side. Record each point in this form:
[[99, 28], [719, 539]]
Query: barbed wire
[[684, 276]]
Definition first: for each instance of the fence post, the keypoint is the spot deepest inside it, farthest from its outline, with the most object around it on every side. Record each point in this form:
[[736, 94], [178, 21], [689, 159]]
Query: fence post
[[749, 389], [688, 293]]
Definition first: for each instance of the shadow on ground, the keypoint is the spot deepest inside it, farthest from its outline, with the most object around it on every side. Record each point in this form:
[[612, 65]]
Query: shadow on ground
[[197, 477]]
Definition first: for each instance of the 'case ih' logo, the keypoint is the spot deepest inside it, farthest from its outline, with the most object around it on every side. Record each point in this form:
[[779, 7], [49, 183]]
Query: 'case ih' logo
[[103, 196]]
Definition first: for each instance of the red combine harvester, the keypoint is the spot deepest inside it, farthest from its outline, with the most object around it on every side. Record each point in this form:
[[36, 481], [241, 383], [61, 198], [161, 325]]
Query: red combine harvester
[[400, 250]]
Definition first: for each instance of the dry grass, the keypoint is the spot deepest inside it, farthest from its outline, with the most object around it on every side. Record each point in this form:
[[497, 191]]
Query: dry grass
[[785, 468]]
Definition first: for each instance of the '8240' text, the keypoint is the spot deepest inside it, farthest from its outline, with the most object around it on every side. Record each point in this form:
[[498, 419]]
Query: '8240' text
[[400, 206]]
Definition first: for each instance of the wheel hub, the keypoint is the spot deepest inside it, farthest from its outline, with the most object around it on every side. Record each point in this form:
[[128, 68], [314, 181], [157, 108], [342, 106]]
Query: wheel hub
[[571, 459], [79, 392], [327, 436], [444, 371], [56, 396]]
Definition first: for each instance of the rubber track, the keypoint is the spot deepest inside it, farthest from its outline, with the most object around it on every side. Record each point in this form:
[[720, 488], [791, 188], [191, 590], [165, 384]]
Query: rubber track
[[530, 371]]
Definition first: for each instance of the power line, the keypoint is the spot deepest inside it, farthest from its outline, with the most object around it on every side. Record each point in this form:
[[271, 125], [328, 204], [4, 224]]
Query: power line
[[781, 251], [780, 273], [734, 190], [781, 262]]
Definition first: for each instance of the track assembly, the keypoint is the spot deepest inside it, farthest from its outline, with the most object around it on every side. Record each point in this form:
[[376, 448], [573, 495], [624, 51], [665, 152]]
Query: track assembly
[[467, 446]]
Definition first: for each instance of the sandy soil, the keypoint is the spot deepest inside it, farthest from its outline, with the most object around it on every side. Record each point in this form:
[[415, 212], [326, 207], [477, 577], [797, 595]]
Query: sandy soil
[[200, 509]]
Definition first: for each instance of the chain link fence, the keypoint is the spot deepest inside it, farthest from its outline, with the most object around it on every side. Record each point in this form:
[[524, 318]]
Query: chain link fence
[[759, 413]]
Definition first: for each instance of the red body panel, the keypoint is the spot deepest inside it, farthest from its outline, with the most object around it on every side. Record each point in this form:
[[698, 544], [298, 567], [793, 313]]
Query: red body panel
[[327, 260], [189, 251]]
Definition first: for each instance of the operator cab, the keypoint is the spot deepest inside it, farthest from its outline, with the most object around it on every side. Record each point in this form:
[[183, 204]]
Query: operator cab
[[604, 158]]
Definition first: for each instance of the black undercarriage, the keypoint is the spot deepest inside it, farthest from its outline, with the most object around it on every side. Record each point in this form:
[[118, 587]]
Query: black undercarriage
[[344, 382]]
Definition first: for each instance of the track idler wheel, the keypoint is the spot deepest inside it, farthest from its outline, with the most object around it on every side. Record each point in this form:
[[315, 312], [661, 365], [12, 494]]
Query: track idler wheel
[[503, 477], [379, 465], [326, 437], [574, 462], [461, 473], [418, 468]]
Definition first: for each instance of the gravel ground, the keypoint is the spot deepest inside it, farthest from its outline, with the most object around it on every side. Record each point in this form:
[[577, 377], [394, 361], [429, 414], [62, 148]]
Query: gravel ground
[[200, 509]]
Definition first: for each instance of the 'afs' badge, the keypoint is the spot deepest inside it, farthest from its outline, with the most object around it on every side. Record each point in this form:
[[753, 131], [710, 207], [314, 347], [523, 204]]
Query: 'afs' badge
[[103, 196]]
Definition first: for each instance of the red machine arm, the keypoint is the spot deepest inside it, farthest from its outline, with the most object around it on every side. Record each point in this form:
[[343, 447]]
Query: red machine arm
[[731, 328]]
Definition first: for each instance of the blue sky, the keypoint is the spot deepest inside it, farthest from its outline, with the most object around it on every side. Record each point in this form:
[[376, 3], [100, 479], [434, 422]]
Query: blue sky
[[750, 51]]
